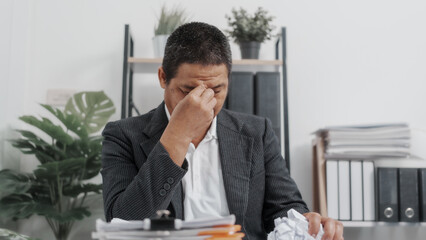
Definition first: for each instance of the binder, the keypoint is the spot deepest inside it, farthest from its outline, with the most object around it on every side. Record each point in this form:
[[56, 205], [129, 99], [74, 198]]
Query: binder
[[344, 191], [267, 98], [422, 193], [332, 189], [356, 191], [368, 190], [241, 93], [408, 195], [387, 179]]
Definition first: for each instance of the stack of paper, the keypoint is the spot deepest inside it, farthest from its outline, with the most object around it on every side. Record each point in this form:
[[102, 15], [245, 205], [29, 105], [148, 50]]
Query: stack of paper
[[208, 228], [367, 141]]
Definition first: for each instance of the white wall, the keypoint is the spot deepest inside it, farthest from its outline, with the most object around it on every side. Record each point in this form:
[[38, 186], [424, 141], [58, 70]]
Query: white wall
[[348, 62]]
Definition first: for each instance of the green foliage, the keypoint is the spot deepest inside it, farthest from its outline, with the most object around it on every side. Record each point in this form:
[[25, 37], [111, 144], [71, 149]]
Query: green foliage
[[6, 234], [250, 28], [170, 20], [56, 189]]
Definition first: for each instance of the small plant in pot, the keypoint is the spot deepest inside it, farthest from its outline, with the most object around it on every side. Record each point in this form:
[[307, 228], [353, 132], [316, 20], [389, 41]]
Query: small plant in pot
[[249, 31], [168, 21], [68, 149]]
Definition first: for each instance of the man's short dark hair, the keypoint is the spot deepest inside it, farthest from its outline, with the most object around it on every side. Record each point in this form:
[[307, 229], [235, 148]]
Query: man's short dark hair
[[196, 43]]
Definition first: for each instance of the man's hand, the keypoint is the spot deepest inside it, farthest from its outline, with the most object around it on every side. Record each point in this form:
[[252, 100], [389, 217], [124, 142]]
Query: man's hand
[[333, 230], [190, 120], [193, 115]]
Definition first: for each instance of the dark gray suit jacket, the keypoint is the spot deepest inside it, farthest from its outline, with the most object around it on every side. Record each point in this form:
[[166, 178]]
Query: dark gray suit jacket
[[139, 177]]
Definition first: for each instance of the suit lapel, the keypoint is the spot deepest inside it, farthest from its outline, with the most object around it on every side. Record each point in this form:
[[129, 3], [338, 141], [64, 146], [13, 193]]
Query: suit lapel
[[235, 152], [153, 132]]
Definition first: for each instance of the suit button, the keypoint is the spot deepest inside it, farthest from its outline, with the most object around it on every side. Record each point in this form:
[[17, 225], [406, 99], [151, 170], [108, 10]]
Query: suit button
[[170, 180], [162, 192], [166, 186]]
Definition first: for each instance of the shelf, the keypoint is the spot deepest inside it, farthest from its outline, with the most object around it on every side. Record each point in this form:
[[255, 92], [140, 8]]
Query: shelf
[[381, 224], [234, 62], [150, 65]]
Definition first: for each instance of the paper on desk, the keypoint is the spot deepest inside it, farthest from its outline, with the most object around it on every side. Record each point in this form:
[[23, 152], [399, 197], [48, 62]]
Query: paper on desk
[[117, 224], [293, 227]]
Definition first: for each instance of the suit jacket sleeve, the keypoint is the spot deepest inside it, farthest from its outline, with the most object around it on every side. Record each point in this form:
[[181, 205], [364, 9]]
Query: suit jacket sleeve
[[281, 193], [131, 193]]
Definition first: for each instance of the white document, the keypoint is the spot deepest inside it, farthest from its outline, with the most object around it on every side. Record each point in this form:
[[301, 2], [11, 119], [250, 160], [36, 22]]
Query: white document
[[369, 190], [344, 191], [356, 191], [332, 189]]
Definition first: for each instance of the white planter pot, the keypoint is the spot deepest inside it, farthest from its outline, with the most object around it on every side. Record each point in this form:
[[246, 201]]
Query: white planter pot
[[159, 42]]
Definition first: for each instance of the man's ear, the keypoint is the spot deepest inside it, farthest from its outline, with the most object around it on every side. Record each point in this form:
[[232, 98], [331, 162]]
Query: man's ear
[[162, 77]]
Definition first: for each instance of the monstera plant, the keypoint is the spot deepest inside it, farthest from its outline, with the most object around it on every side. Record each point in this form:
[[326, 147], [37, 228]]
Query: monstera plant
[[69, 152]]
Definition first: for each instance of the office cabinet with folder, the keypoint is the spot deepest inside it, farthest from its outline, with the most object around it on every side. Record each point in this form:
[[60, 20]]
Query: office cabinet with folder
[[387, 179], [408, 195], [422, 193]]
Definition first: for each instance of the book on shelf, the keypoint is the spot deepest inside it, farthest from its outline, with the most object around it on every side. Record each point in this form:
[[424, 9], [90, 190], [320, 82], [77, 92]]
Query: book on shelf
[[344, 190], [408, 194], [332, 175], [267, 98], [387, 194], [369, 189], [356, 189], [422, 194], [354, 151], [240, 93]]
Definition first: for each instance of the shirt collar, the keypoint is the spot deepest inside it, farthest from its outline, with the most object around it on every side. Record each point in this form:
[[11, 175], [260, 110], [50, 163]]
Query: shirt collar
[[211, 133]]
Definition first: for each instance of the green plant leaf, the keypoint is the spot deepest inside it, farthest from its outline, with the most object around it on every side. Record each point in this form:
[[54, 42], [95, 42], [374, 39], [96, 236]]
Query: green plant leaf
[[169, 20], [54, 131], [247, 28], [6, 234], [12, 182], [71, 215], [92, 109], [65, 168], [16, 206], [75, 190], [32, 144], [70, 121]]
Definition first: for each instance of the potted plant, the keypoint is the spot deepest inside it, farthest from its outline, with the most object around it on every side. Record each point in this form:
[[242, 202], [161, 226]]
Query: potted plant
[[249, 31], [169, 20], [69, 154]]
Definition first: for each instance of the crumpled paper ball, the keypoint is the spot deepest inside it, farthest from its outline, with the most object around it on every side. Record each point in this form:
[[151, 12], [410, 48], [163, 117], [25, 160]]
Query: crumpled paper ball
[[293, 227]]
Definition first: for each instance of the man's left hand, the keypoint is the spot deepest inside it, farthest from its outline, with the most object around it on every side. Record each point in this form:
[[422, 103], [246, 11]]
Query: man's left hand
[[333, 229]]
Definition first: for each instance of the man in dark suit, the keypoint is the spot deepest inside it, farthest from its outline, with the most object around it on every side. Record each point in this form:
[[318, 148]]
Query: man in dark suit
[[193, 157]]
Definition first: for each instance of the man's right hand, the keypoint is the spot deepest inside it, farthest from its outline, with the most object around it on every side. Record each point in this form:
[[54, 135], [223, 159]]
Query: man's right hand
[[189, 121]]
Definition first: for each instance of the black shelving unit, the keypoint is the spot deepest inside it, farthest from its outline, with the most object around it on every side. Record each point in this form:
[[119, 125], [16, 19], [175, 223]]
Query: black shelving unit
[[127, 104]]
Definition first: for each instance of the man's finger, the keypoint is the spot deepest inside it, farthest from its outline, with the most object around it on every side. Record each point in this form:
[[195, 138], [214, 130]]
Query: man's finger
[[207, 95], [338, 234], [212, 103], [329, 229], [314, 220], [198, 90]]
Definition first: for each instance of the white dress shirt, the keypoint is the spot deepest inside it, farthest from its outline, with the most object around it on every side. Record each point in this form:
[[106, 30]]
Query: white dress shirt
[[204, 191]]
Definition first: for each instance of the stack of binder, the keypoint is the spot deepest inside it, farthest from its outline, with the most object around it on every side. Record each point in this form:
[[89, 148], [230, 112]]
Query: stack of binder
[[257, 94], [344, 169], [169, 228], [401, 195]]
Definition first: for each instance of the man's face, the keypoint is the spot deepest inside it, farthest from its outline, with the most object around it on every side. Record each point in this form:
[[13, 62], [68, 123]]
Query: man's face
[[188, 77]]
